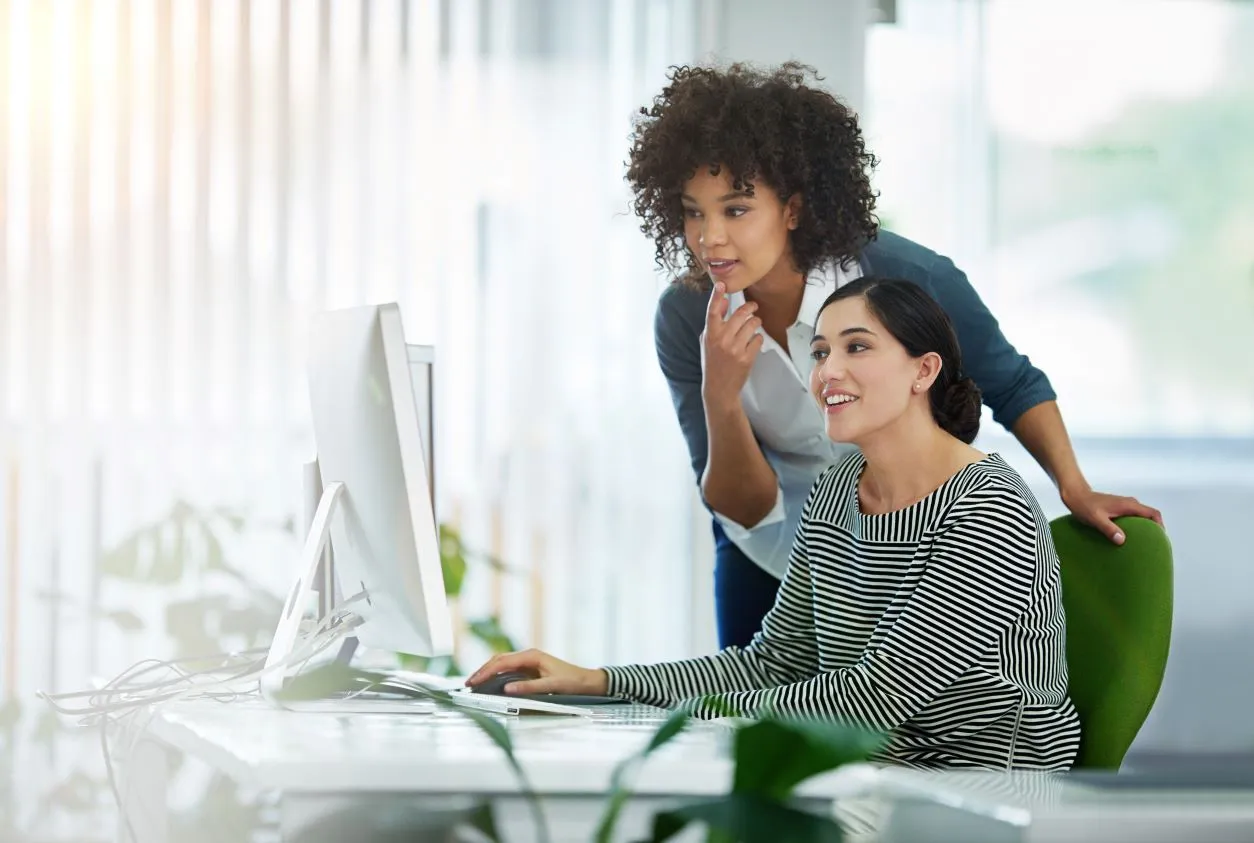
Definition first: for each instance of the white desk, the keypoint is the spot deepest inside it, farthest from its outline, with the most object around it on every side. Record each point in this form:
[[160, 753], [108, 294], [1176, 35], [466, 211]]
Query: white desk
[[318, 761], [1040, 808], [309, 758]]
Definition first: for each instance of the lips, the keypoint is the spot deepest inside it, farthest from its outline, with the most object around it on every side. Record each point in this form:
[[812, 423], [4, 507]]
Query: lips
[[720, 268]]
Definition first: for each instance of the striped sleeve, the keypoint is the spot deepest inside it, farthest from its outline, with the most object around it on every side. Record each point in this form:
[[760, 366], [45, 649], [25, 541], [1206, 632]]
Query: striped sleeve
[[977, 581], [785, 651]]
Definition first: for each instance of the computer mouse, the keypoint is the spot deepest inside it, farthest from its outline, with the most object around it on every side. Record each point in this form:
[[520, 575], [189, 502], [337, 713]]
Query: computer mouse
[[496, 684]]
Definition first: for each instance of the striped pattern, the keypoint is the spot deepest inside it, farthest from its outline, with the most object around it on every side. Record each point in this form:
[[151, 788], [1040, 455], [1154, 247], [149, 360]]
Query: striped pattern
[[941, 624]]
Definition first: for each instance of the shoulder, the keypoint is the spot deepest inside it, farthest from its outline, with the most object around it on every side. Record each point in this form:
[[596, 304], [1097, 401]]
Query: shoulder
[[832, 488], [992, 498], [681, 304], [679, 319], [894, 256]]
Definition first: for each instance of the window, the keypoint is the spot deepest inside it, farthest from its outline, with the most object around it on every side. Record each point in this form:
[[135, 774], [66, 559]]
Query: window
[[1090, 166]]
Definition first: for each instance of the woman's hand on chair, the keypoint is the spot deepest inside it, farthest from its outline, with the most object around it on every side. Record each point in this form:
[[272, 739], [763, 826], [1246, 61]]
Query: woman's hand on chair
[[1098, 510]]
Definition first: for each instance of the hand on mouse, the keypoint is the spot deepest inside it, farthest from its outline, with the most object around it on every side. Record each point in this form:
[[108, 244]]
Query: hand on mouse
[[554, 676]]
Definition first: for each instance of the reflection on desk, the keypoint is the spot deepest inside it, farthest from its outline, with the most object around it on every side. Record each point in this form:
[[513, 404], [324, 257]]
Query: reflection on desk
[[315, 759], [442, 752], [1025, 807]]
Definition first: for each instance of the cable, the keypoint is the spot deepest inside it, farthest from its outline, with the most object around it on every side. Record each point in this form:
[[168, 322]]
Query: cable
[[123, 699]]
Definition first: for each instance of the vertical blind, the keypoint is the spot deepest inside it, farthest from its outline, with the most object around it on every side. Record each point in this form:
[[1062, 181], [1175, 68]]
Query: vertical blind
[[183, 182]]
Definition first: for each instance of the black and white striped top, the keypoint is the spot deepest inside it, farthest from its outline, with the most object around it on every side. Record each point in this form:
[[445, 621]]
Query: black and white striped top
[[940, 624]]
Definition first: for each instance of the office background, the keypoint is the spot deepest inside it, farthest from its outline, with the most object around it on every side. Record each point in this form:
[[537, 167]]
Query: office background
[[182, 183]]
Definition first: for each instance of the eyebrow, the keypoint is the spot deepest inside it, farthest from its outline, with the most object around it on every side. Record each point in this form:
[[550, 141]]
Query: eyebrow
[[845, 333], [735, 194]]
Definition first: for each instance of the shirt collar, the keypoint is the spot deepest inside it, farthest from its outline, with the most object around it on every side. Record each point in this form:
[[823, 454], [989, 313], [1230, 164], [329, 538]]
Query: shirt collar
[[818, 287]]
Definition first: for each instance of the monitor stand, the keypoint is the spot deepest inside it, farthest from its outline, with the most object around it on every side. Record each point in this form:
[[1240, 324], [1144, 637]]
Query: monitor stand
[[287, 632], [348, 647], [301, 592]]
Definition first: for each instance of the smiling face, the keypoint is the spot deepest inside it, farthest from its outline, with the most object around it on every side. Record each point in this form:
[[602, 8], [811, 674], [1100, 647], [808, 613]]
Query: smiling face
[[863, 378], [738, 237]]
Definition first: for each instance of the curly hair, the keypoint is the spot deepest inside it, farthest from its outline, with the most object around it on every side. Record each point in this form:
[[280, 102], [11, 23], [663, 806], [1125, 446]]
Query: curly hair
[[770, 126]]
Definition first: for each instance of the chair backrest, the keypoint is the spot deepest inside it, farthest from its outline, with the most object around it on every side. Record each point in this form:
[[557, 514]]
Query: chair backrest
[[1118, 601]]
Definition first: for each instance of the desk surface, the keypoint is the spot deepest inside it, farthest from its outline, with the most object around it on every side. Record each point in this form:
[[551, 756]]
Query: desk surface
[[441, 752], [1046, 807], [445, 752]]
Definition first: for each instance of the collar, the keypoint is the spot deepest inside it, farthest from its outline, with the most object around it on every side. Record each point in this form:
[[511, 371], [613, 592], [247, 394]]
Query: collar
[[818, 287]]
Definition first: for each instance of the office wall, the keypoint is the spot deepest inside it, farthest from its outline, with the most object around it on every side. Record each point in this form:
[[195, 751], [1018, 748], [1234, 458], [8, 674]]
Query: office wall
[[830, 36]]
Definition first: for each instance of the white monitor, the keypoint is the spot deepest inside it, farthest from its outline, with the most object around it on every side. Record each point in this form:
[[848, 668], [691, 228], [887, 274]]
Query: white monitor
[[376, 504]]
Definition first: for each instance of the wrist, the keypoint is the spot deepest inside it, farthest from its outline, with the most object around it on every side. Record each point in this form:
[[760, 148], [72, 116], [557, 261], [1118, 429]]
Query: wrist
[[597, 682], [1073, 488], [720, 405]]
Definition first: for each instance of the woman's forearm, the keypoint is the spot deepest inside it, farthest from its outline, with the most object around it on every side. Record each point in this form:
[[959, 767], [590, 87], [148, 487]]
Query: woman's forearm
[[1043, 434], [738, 482]]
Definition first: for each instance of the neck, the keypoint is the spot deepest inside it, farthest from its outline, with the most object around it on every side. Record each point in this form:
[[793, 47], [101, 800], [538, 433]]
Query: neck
[[778, 295], [909, 460]]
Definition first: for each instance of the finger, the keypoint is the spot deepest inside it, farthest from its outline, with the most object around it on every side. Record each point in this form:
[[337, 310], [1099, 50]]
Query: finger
[[1135, 507], [543, 685], [717, 306], [502, 662], [746, 315], [754, 346], [485, 670], [745, 334], [1108, 528]]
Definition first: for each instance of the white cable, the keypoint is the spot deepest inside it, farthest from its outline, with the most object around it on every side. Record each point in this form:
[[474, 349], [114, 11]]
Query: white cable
[[120, 705]]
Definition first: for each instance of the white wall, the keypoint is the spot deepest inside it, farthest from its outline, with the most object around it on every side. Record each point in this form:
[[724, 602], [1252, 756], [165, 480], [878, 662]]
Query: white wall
[[830, 35]]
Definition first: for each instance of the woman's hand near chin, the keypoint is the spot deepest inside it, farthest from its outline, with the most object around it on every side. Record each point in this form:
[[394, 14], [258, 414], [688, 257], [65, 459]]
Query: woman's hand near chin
[[553, 676]]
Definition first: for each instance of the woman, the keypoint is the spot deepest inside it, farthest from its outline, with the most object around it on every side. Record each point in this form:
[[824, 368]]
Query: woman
[[758, 184], [922, 597]]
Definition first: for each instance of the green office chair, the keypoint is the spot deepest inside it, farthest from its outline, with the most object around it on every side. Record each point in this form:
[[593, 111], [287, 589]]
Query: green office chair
[[1118, 600]]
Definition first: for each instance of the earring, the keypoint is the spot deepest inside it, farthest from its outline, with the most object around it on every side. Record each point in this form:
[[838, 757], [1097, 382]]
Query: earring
[[916, 387]]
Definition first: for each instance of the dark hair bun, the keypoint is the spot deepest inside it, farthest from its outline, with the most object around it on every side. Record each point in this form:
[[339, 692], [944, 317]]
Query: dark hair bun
[[958, 410]]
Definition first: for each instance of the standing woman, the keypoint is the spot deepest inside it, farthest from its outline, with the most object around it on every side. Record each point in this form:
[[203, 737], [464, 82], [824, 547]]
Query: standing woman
[[755, 187]]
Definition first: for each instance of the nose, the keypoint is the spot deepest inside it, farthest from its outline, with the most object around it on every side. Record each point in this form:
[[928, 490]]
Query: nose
[[713, 231], [830, 371]]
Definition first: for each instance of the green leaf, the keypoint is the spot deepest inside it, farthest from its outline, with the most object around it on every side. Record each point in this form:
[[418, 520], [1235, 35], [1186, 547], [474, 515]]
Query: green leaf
[[488, 630], [125, 620], [749, 818], [189, 623], [666, 825], [483, 819], [452, 560], [435, 665], [249, 621], [620, 790], [122, 562], [489, 560], [167, 546], [774, 756], [215, 556], [234, 520]]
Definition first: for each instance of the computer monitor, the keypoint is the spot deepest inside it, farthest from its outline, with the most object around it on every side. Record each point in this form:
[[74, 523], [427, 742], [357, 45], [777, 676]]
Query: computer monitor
[[376, 505]]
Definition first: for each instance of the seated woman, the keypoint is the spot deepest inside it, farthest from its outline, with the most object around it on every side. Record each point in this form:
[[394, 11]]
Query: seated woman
[[922, 598]]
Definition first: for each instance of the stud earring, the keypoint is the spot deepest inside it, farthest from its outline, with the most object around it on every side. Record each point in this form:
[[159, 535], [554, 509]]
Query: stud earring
[[916, 387]]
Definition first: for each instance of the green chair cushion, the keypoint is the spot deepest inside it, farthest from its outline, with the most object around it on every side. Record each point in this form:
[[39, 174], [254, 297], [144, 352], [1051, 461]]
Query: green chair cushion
[[1118, 601]]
